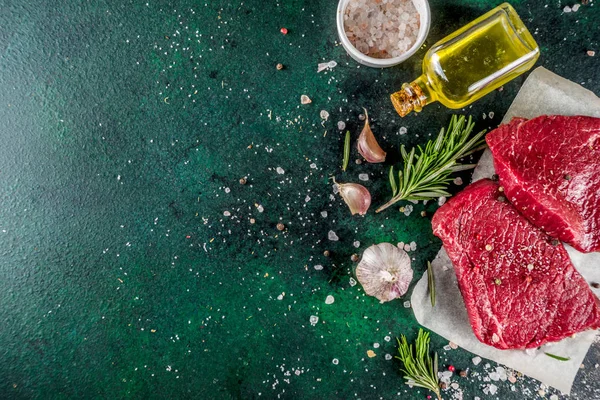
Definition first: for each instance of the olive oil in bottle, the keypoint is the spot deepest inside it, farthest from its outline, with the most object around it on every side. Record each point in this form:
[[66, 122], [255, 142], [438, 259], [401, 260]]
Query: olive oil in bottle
[[471, 62]]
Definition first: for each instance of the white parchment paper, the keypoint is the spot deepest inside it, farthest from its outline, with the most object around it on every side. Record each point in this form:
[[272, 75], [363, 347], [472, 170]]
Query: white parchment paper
[[542, 93]]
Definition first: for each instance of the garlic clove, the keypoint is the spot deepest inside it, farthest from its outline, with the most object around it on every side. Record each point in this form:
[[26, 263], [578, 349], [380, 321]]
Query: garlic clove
[[384, 272], [367, 144], [356, 196]]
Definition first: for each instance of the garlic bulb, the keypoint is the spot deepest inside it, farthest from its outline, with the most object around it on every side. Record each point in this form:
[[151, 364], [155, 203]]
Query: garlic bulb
[[367, 144], [384, 271], [356, 196]]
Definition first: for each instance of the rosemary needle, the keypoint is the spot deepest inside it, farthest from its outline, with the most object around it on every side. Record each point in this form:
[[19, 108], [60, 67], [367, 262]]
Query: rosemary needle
[[559, 358], [346, 151], [420, 368], [426, 172], [431, 283]]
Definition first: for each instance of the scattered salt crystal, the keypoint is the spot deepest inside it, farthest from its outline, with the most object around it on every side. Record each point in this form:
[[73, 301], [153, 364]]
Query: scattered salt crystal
[[554, 397], [494, 376], [313, 166], [307, 199], [407, 247], [407, 304], [332, 64], [329, 299], [304, 99], [318, 267], [226, 213], [407, 210], [402, 130], [341, 125], [335, 361], [324, 115], [575, 7], [476, 360], [332, 236], [530, 352], [280, 171], [376, 345], [401, 245], [454, 385], [542, 392], [447, 347], [260, 208], [363, 177], [280, 297], [227, 190], [387, 339], [336, 188], [567, 9], [356, 244], [492, 389], [441, 201], [413, 246], [322, 66], [352, 282], [313, 320], [324, 214], [388, 357], [491, 114], [458, 180]]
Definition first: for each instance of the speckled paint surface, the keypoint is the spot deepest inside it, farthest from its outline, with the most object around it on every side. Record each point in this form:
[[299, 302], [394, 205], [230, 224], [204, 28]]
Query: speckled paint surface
[[129, 265]]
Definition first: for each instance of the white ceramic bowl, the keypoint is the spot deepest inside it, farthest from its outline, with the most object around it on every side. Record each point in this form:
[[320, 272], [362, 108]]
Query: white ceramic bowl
[[422, 7]]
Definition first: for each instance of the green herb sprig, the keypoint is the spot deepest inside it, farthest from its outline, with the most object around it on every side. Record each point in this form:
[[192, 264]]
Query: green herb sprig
[[346, 151], [431, 283], [420, 368], [559, 358], [426, 173]]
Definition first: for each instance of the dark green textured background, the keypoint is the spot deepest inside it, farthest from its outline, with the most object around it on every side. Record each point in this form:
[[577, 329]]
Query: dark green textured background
[[122, 124]]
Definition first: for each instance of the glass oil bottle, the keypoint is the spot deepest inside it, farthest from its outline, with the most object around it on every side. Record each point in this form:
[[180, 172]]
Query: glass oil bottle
[[471, 62]]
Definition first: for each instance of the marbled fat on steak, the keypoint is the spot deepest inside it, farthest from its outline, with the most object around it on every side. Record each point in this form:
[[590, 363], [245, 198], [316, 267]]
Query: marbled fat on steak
[[549, 167], [519, 286]]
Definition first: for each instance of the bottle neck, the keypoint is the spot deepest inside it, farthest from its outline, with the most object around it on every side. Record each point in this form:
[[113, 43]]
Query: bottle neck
[[413, 96]]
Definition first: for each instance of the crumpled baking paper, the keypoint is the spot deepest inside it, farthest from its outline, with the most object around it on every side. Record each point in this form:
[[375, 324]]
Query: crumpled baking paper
[[542, 93]]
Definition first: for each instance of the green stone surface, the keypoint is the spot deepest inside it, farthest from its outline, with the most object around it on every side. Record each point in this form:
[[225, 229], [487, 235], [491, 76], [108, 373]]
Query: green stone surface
[[125, 127]]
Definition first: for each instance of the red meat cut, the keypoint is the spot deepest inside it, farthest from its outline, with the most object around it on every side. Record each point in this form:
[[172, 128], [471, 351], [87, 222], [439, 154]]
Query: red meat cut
[[549, 167], [519, 286]]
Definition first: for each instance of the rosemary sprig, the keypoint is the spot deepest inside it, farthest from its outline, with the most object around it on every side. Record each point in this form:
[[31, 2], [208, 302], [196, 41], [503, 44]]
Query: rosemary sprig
[[426, 172], [346, 151], [431, 283], [559, 358], [420, 369]]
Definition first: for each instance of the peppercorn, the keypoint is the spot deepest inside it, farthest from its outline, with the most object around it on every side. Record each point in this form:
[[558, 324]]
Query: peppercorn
[[495, 178], [279, 66], [280, 226], [567, 177], [463, 373], [443, 385], [423, 213], [501, 199], [243, 181], [596, 285], [283, 31], [354, 257], [326, 253], [358, 161], [555, 242], [451, 368], [252, 220]]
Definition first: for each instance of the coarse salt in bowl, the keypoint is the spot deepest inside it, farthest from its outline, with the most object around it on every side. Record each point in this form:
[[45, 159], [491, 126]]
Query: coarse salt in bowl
[[422, 7]]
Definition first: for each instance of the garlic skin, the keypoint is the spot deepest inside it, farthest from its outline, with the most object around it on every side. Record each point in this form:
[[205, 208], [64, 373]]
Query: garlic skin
[[356, 196], [384, 272], [367, 144]]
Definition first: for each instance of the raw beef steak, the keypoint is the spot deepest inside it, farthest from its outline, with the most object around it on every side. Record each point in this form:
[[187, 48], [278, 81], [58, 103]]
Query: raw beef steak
[[549, 167], [519, 286]]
